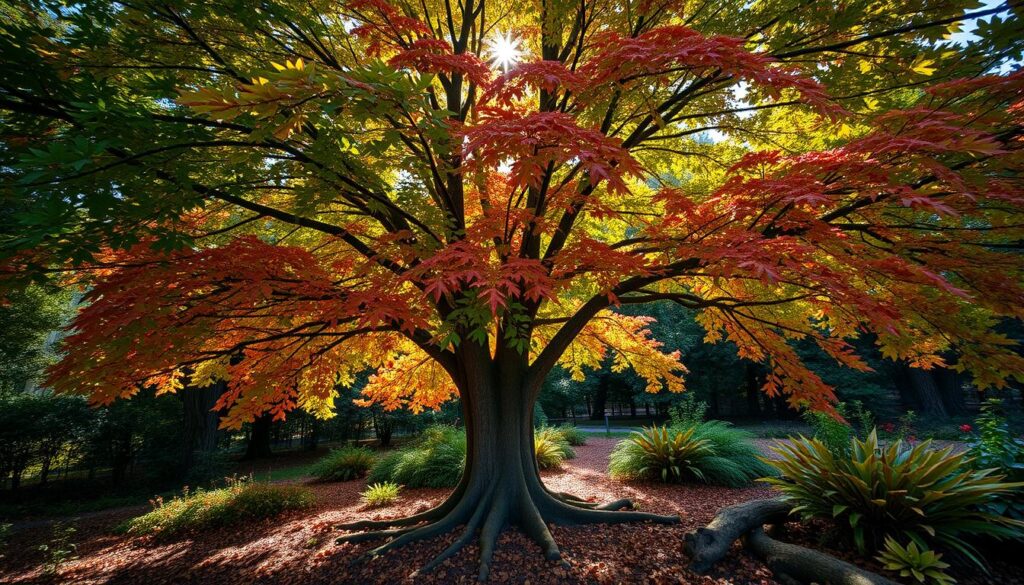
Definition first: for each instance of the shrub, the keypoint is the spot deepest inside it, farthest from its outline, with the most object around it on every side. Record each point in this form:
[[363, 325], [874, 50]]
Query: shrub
[[925, 566], [436, 460], [345, 464], [659, 454], [833, 433], [711, 452], [688, 411], [573, 435], [240, 501], [995, 447], [381, 494], [914, 493], [551, 448], [735, 461], [59, 550]]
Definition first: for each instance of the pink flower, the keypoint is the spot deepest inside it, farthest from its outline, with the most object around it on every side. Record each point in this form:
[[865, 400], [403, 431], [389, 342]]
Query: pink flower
[[888, 427], [965, 428]]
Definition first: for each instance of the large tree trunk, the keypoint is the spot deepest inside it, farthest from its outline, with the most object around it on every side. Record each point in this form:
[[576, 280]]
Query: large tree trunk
[[600, 399], [501, 486], [259, 438], [200, 422]]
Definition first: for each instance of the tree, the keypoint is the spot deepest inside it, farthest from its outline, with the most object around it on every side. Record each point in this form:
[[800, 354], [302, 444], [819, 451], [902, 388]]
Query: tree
[[326, 191]]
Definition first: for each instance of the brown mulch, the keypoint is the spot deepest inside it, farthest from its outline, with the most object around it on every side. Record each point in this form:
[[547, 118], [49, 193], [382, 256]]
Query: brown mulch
[[299, 547]]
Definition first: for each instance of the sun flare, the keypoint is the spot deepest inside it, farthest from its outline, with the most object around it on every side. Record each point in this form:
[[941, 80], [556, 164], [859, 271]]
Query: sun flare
[[504, 51]]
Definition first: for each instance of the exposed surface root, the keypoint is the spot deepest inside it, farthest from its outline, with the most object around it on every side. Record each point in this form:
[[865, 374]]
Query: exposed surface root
[[486, 514], [623, 504], [461, 541], [372, 535]]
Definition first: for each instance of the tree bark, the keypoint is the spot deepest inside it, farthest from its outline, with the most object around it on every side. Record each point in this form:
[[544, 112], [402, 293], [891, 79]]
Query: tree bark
[[200, 422], [600, 399], [259, 438], [708, 545], [501, 486], [798, 564]]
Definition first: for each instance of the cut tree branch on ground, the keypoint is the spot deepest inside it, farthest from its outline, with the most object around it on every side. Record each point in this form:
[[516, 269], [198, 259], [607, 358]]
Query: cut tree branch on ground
[[791, 564], [706, 546], [798, 564]]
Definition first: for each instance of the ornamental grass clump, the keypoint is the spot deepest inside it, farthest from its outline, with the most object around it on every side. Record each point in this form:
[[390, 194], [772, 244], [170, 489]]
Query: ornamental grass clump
[[710, 452], [657, 453], [573, 435], [909, 493], [436, 460], [240, 501], [551, 448], [345, 464]]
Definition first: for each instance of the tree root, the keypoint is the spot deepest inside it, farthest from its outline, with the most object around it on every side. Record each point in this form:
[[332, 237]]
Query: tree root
[[485, 513]]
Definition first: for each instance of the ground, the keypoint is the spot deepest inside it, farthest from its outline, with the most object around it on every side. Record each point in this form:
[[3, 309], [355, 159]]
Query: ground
[[299, 547]]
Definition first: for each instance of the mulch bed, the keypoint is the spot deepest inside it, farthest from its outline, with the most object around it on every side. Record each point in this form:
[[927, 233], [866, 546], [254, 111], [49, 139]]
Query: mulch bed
[[299, 547]]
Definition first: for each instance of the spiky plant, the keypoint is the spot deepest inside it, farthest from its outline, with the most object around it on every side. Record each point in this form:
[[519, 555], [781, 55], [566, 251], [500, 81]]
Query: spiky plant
[[657, 453], [905, 492], [924, 565], [380, 494]]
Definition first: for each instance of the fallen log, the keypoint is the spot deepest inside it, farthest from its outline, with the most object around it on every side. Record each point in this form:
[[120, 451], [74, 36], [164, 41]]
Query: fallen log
[[706, 546], [796, 564]]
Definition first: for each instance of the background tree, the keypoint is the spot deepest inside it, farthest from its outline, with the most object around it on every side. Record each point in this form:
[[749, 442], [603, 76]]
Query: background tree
[[323, 189]]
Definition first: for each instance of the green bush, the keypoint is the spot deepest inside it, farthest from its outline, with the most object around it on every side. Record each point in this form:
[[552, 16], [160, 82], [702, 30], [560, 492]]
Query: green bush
[[345, 464], [833, 433], [659, 454], [735, 461], [240, 501], [914, 493], [436, 460], [712, 452], [573, 435], [381, 494], [688, 412], [925, 566], [551, 448], [993, 446]]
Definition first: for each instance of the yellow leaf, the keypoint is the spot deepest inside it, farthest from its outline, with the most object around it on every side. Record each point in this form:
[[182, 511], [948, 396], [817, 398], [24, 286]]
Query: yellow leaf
[[866, 66], [924, 66], [277, 66], [871, 103]]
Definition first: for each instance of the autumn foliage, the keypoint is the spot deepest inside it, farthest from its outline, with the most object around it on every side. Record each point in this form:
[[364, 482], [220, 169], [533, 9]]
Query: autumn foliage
[[287, 197]]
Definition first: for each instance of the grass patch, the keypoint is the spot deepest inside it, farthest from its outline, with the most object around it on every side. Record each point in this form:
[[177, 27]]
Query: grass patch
[[240, 501]]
